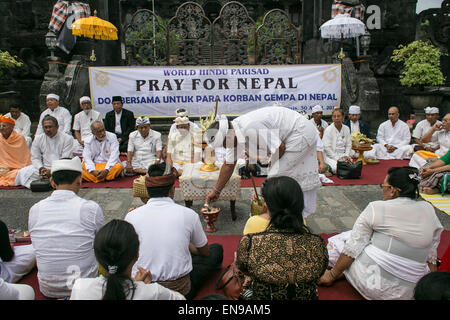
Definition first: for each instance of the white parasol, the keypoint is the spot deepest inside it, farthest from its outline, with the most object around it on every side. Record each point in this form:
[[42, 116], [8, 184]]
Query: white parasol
[[342, 26]]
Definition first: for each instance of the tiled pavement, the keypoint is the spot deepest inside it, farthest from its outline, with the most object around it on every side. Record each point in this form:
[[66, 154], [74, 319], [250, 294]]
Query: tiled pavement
[[337, 207]]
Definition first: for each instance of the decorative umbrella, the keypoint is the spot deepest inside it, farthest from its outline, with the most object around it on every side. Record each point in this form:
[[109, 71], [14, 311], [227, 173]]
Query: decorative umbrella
[[342, 26], [94, 28]]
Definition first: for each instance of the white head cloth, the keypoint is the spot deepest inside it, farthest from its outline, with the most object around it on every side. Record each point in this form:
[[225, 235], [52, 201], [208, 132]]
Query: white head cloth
[[142, 121], [216, 140], [85, 98], [431, 110], [317, 108], [354, 110], [182, 113], [181, 120], [53, 96], [72, 164]]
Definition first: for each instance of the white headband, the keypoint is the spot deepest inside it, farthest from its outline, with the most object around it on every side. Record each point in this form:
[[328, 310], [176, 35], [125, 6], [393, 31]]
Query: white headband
[[83, 99], [354, 110], [53, 96], [181, 120], [142, 121], [216, 141], [317, 108], [431, 110]]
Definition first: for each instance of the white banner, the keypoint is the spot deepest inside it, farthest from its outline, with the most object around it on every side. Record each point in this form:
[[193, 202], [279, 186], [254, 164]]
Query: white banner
[[159, 91]]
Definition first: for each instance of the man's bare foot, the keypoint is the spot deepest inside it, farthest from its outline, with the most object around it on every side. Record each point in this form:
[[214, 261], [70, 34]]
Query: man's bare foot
[[428, 190]]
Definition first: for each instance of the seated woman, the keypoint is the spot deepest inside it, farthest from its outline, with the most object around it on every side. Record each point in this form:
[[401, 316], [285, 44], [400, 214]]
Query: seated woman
[[393, 242], [337, 141], [116, 248], [15, 262], [432, 174], [285, 261]]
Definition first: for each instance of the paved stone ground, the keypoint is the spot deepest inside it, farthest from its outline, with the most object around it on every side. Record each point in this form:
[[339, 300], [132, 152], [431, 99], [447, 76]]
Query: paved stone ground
[[337, 207]]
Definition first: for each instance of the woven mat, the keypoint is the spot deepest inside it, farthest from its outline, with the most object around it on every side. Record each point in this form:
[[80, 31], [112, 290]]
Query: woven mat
[[438, 201]]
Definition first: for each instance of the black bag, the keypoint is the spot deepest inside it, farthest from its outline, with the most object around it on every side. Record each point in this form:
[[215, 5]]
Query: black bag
[[41, 185], [249, 170], [347, 170]]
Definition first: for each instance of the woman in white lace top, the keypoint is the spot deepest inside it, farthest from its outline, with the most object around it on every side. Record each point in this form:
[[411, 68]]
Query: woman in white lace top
[[393, 242]]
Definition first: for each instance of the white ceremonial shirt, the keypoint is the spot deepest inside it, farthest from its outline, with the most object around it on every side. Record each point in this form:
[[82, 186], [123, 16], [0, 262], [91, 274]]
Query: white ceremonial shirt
[[23, 124], [184, 147], [82, 122], [266, 128], [94, 289], [22, 263], [323, 123], [423, 127], [165, 230], [397, 135], [62, 230], [45, 150], [62, 115], [106, 151], [144, 149], [192, 127], [443, 140], [354, 126], [118, 128], [403, 227], [336, 143]]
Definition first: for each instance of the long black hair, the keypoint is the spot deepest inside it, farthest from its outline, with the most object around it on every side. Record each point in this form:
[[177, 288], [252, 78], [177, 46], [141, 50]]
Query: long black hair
[[406, 179], [116, 245], [6, 252], [284, 198]]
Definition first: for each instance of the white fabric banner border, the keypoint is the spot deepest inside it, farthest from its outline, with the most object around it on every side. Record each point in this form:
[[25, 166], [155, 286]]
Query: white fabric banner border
[[159, 91]]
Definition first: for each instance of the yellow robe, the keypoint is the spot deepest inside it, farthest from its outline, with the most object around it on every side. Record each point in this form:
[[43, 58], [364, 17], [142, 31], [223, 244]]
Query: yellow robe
[[14, 155]]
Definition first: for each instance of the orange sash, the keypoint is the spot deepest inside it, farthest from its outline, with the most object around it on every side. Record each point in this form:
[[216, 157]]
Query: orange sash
[[14, 155]]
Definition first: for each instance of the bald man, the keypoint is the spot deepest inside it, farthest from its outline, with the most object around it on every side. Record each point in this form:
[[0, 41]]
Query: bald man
[[393, 139]]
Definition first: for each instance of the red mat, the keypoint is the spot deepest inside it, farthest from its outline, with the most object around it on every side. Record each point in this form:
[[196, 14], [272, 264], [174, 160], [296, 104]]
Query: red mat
[[371, 173], [341, 290]]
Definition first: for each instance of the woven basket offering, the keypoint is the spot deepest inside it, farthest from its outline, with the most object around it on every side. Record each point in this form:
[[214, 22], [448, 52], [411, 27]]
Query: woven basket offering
[[140, 190]]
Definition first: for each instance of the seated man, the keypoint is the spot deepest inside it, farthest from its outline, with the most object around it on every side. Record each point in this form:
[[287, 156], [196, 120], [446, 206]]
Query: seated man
[[144, 147], [23, 123], [120, 121], [337, 142], [82, 124], [14, 154], [54, 109], [47, 147], [62, 230], [101, 155], [433, 139], [173, 244], [355, 123], [393, 138], [317, 114], [184, 144]]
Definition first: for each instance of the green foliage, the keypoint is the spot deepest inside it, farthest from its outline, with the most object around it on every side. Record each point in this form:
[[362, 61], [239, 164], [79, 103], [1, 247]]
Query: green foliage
[[7, 61], [422, 64], [149, 34]]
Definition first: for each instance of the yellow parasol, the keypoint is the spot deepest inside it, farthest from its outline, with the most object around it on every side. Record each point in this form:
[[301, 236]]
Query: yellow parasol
[[95, 28]]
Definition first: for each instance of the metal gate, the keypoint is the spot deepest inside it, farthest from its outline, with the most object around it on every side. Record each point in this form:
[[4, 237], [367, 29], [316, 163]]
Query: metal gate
[[233, 38]]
